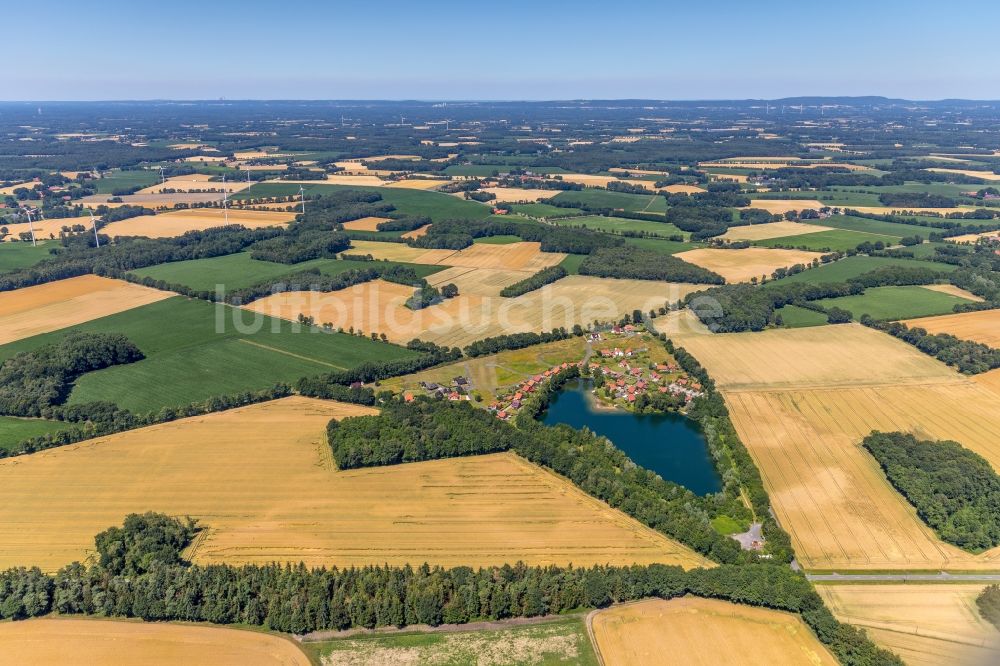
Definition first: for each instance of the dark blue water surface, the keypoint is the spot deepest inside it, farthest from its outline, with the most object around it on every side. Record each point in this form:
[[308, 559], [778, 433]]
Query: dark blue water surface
[[671, 445]]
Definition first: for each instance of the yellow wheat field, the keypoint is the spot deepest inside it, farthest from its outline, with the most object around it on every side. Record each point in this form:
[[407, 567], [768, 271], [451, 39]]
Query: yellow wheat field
[[55, 641], [803, 399], [989, 380], [481, 281], [592, 180], [398, 252], [417, 183], [831, 495], [972, 238], [982, 326], [177, 222], [365, 224], [746, 263], [984, 175], [262, 481], [756, 232], [524, 256], [379, 307], [45, 229], [205, 158], [417, 233], [926, 625], [728, 177], [642, 172], [845, 355], [9, 189], [952, 290], [93, 642], [708, 632], [55, 305], [782, 206], [683, 189], [902, 210], [519, 195], [195, 181]]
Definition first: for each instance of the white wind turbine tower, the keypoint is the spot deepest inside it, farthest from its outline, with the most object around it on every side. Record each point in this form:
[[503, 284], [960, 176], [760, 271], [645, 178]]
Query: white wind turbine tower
[[163, 179], [31, 226], [225, 199], [302, 197], [249, 184], [93, 223]]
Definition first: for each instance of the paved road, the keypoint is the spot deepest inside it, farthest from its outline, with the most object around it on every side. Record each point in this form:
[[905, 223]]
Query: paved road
[[940, 577]]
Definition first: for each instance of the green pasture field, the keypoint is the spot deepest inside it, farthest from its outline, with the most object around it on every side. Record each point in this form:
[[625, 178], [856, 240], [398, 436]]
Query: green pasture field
[[646, 203], [852, 267], [661, 245], [831, 197], [838, 239], [792, 316], [896, 303], [14, 430], [560, 641], [498, 240], [545, 210], [194, 351], [237, 271], [925, 249], [872, 226], [123, 179], [435, 205], [944, 189], [619, 224], [572, 263], [18, 254]]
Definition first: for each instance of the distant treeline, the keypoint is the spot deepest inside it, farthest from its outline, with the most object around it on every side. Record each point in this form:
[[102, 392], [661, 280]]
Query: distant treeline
[[747, 307], [140, 573]]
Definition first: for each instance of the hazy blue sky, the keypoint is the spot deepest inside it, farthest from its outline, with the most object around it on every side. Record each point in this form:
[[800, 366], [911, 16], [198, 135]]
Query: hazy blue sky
[[181, 49]]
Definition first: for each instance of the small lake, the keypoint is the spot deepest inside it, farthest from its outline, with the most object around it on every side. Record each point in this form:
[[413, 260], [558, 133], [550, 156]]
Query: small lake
[[671, 445]]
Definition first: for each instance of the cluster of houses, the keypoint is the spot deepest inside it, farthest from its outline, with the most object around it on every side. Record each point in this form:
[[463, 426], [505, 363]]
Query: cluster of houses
[[459, 389], [507, 404], [628, 374]]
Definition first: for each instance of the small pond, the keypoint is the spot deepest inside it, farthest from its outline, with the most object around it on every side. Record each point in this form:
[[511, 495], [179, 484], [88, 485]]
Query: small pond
[[671, 445]]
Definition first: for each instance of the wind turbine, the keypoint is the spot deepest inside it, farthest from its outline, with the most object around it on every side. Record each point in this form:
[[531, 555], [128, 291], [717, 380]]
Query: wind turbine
[[93, 223], [225, 199], [31, 226], [249, 184], [302, 196], [163, 179]]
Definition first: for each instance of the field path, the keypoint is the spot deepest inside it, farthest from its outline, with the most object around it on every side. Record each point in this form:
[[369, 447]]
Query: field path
[[288, 353], [940, 577]]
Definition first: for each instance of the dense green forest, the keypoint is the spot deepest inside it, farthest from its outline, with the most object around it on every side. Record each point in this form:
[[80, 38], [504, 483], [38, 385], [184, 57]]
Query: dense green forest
[[954, 490]]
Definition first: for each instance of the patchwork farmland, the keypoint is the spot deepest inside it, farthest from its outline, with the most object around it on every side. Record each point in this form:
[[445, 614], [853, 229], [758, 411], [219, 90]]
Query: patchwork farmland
[[195, 350], [802, 400], [262, 482]]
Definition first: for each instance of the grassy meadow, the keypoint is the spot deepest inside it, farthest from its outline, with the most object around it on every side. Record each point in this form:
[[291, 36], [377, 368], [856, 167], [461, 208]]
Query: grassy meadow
[[237, 271], [188, 360], [895, 303]]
